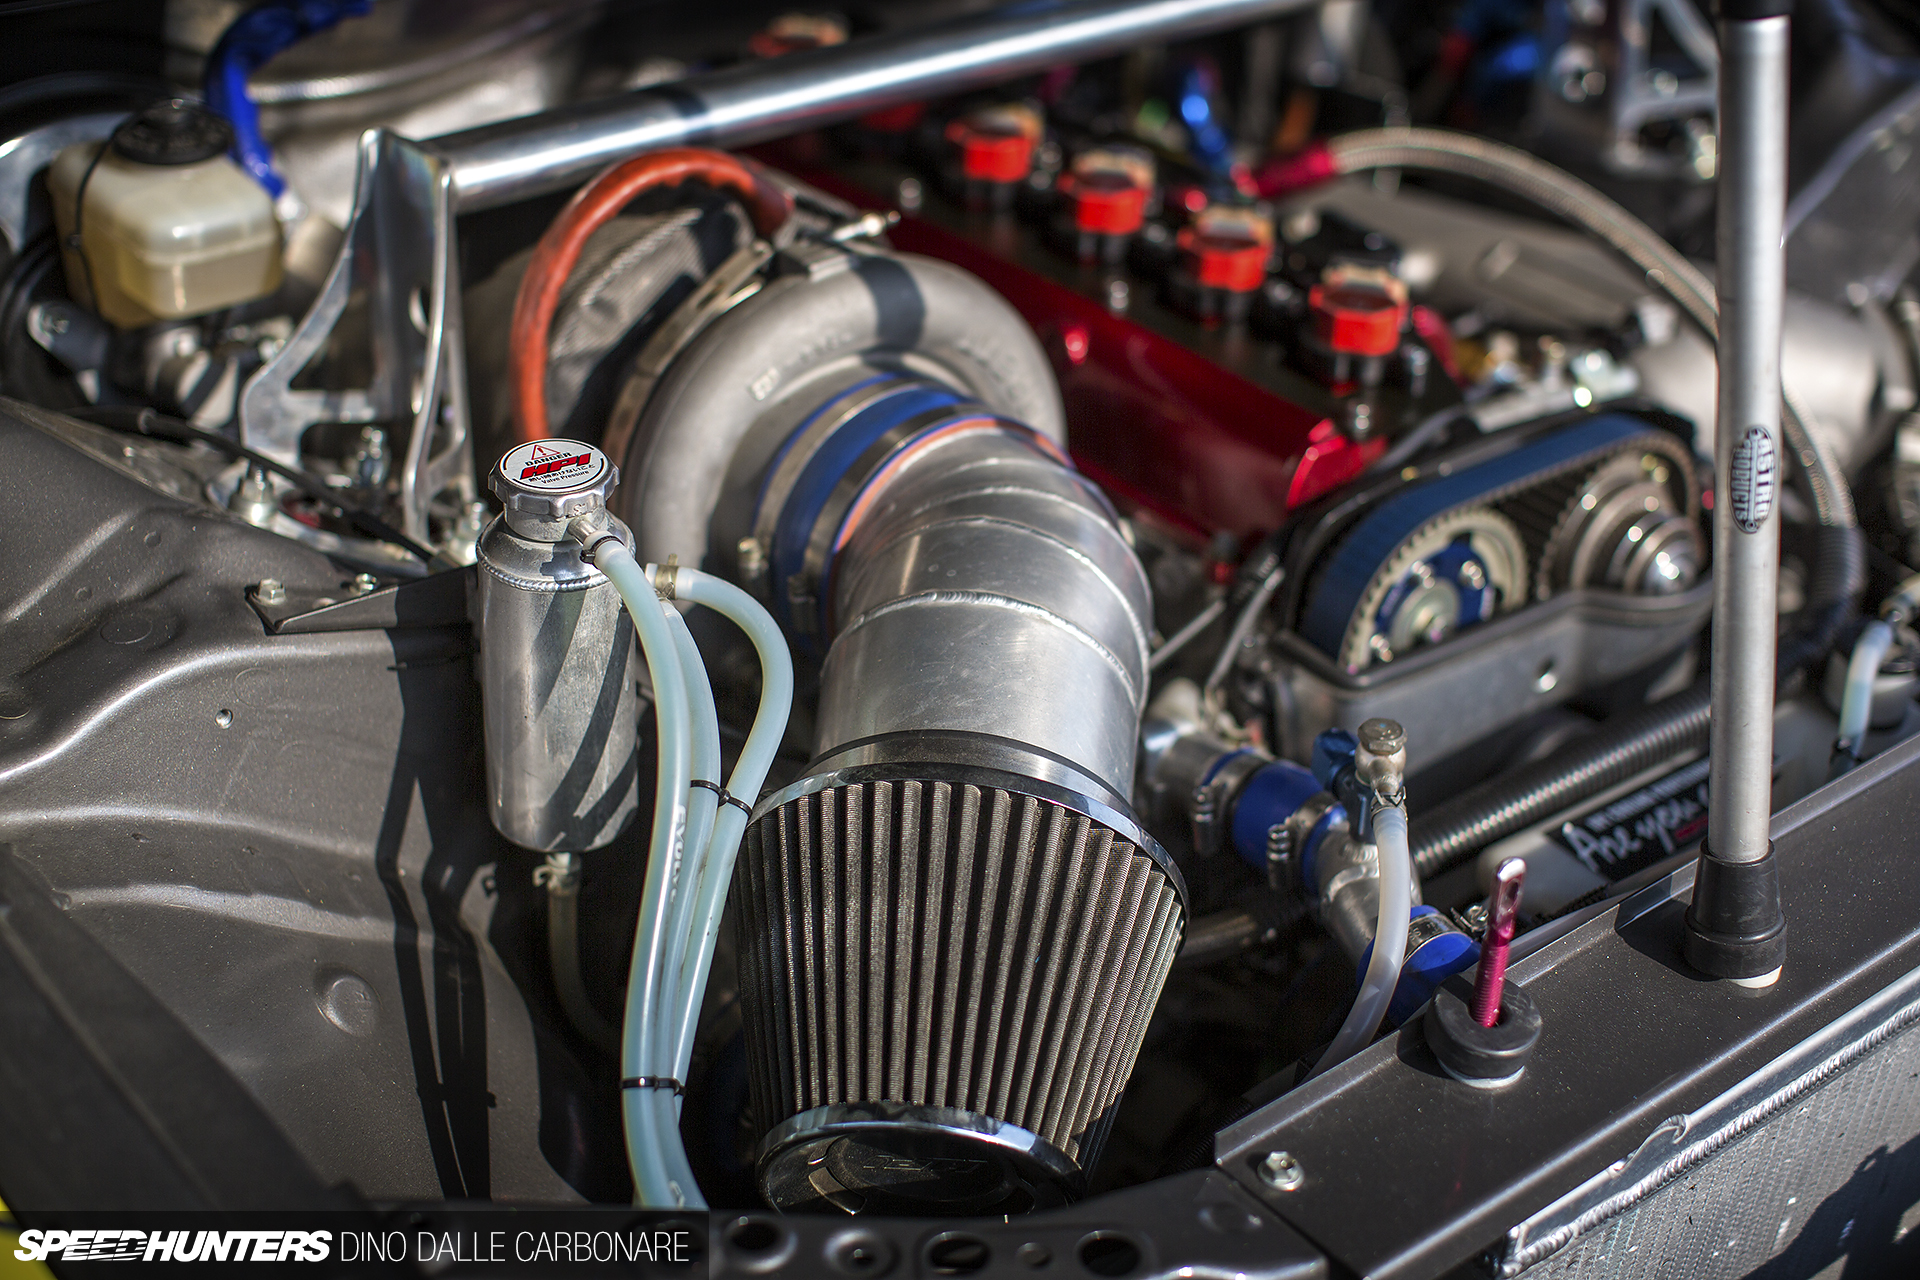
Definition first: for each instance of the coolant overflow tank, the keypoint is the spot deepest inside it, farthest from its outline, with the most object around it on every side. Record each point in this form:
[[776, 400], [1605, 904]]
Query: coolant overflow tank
[[557, 659], [158, 224]]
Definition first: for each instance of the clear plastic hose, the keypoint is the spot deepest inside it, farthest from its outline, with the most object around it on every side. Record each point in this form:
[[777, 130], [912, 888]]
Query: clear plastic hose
[[681, 904], [1389, 941], [1856, 703], [749, 775], [562, 879], [639, 1055], [701, 801], [701, 804], [709, 867]]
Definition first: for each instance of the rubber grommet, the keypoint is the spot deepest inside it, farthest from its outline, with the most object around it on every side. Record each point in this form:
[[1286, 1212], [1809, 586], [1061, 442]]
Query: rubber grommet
[[1478, 1055]]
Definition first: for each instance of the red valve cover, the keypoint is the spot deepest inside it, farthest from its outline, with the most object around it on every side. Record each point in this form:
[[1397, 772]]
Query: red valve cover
[[1206, 429]]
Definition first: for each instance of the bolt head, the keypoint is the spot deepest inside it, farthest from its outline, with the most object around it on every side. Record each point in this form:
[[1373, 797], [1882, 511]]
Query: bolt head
[[1382, 737], [271, 591], [1281, 1171], [364, 584], [1359, 419]]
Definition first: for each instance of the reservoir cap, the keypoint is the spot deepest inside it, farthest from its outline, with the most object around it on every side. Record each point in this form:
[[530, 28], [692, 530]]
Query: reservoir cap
[[176, 131], [548, 482]]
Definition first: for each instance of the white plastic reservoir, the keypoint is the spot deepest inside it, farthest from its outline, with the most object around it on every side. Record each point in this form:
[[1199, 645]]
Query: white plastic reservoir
[[169, 226]]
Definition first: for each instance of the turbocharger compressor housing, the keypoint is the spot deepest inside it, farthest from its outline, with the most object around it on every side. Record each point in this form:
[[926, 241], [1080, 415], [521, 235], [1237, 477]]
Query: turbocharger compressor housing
[[952, 931]]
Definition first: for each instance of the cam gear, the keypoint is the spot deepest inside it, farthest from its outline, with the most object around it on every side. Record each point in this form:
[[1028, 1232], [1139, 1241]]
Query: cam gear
[[1430, 605]]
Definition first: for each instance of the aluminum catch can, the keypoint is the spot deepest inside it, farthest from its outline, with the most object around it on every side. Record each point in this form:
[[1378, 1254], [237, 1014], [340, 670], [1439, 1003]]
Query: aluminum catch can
[[557, 659]]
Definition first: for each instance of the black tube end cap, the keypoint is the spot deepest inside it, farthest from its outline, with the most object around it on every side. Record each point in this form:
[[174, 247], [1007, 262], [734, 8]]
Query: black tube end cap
[[1485, 1057], [1735, 926]]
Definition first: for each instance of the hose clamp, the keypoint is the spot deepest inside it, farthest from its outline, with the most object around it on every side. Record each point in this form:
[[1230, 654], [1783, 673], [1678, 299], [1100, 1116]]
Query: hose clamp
[[1301, 824], [560, 873], [592, 539], [1423, 929], [1212, 806], [592, 532], [1279, 857]]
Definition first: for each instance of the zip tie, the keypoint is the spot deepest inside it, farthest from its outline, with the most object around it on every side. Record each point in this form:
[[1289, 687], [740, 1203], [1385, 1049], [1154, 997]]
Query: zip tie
[[726, 796], [655, 1082]]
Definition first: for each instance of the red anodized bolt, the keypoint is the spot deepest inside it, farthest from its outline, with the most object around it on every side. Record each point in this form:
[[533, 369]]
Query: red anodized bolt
[[1502, 909]]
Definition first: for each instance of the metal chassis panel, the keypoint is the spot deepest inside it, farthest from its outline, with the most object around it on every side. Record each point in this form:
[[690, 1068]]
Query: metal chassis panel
[[1637, 1047]]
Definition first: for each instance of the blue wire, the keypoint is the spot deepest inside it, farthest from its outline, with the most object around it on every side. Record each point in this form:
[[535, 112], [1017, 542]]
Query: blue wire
[[1207, 140], [248, 44]]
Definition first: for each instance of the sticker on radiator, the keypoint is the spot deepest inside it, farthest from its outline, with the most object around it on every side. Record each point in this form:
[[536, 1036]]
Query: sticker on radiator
[[554, 464], [1641, 828], [1751, 480]]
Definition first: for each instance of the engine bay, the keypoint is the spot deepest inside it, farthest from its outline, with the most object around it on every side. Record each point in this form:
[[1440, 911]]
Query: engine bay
[[884, 614]]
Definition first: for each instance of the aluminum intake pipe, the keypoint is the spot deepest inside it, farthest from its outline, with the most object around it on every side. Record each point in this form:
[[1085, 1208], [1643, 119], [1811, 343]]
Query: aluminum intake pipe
[[953, 931], [986, 599]]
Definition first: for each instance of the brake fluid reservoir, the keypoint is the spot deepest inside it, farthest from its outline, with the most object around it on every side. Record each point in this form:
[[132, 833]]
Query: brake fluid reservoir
[[557, 658], [168, 226]]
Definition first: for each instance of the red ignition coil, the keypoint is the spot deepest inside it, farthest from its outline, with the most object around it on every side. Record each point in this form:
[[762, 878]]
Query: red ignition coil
[[1359, 311], [1107, 191], [1358, 314], [995, 146], [1224, 254]]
